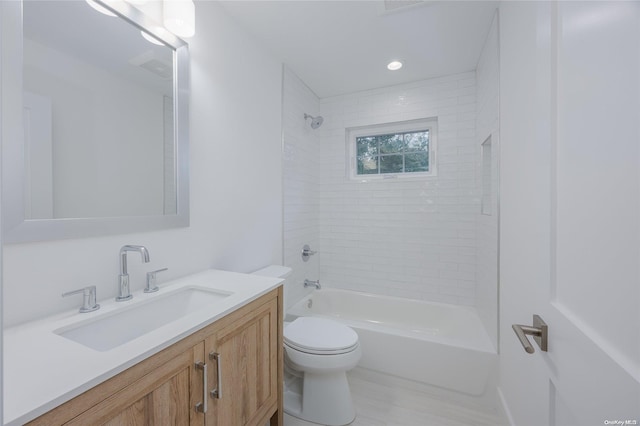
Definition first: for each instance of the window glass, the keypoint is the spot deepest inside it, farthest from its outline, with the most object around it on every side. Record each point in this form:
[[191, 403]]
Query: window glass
[[401, 152]]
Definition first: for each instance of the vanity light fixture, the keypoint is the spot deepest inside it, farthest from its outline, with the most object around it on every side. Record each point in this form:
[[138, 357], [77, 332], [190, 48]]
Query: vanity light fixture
[[394, 65], [150, 38], [100, 8], [180, 17]]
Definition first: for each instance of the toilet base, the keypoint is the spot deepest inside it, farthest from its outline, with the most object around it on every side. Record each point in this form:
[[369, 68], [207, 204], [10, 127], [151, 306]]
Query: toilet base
[[319, 398]]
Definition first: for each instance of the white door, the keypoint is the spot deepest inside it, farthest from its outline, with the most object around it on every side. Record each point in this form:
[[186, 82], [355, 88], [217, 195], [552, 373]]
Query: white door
[[570, 210]]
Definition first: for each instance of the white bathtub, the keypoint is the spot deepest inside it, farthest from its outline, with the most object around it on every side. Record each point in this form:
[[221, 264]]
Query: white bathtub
[[433, 343]]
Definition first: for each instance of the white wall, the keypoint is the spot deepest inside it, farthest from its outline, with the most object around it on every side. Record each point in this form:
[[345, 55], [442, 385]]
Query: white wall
[[488, 126], [236, 181], [301, 166], [406, 238]]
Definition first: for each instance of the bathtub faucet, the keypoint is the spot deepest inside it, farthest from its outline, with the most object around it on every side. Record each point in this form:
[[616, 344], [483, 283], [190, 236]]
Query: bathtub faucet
[[309, 283]]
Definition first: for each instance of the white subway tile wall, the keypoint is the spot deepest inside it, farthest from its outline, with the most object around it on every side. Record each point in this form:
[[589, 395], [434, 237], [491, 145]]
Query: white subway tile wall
[[301, 171], [413, 238]]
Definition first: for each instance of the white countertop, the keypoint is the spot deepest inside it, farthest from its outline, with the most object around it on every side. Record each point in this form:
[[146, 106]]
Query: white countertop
[[43, 370]]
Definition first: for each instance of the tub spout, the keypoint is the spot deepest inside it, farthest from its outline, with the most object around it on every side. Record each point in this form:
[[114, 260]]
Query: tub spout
[[310, 283]]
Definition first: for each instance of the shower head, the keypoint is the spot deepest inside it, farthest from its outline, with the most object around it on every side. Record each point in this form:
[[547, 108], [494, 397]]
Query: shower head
[[315, 121]]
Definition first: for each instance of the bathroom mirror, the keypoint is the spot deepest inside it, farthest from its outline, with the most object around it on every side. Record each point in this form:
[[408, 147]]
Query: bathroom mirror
[[95, 121]]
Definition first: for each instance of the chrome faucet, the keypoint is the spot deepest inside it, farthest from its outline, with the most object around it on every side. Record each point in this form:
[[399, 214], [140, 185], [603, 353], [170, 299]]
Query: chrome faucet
[[124, 292], [309, 283]]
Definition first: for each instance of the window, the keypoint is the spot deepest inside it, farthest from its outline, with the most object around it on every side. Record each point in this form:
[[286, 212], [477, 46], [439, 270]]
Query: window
[[403, 149]]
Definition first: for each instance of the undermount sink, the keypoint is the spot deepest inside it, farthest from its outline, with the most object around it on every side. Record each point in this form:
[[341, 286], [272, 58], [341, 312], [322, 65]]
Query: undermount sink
[[124, 325]]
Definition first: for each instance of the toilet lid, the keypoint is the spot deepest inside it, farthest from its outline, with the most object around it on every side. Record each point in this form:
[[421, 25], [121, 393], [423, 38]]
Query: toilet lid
[[310, 334]]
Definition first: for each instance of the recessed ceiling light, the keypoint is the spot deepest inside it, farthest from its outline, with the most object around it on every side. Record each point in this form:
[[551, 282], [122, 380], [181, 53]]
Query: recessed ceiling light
[[394, 65]]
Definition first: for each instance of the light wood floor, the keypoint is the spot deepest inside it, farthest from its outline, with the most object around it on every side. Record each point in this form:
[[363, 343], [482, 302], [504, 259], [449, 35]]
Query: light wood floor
[[378, 404]]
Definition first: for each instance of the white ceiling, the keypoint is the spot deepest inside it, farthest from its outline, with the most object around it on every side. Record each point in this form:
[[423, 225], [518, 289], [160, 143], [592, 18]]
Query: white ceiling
[[339, 47]]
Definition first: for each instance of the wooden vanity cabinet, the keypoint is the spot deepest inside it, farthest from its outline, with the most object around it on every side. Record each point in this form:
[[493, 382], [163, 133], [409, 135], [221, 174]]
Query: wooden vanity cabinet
[[244, 368], [243, 356], [161, 397]]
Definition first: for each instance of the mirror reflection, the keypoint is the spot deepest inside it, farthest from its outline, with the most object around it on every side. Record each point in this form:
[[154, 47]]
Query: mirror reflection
[[98, 116]]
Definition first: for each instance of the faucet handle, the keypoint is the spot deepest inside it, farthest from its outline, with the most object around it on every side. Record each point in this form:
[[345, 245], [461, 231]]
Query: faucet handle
[[307, 252], [88, 298], [151, 281]]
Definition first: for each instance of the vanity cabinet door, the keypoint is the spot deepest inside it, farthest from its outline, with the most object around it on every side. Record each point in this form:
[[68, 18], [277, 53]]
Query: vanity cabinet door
[[166, 396], [243, 355]]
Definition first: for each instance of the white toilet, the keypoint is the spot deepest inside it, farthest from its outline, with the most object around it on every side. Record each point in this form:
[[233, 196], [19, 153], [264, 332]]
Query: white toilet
[[318, 353]]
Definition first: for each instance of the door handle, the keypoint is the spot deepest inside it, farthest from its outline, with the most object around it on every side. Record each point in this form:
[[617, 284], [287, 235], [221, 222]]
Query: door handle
[[539, 331]]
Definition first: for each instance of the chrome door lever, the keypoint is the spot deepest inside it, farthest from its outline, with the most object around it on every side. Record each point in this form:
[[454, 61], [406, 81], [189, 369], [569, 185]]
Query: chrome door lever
[[539, 331]]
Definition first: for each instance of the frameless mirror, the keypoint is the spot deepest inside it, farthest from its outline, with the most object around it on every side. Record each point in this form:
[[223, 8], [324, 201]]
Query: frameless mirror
[[101, 144]]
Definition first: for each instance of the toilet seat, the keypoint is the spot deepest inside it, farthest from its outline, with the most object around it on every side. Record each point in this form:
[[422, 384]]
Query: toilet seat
[[320, 336], [321, 352]]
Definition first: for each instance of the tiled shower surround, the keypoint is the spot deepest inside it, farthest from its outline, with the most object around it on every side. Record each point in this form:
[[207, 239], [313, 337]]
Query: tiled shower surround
[[406, 237], [412, 238]]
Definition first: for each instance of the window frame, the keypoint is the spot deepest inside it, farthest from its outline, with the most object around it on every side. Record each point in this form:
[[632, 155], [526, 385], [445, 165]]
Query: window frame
[[352, 133]]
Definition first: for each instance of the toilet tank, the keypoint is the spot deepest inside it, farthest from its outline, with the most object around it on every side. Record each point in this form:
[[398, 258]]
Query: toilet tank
[[278, 271], [275, 271]]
